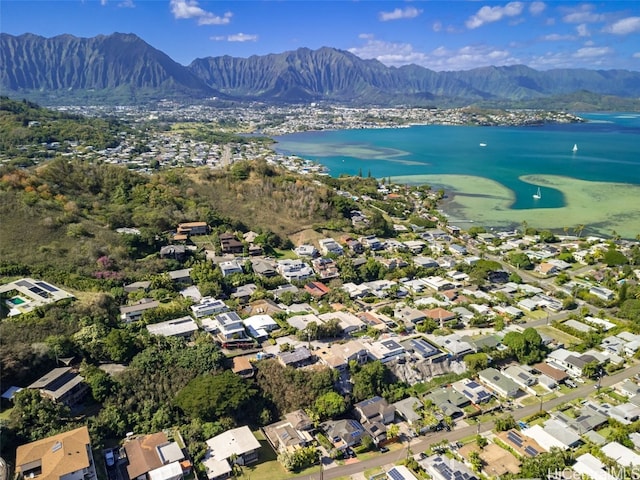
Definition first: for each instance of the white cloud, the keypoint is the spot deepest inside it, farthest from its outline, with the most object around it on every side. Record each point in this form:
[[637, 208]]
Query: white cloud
[[536, 8], [242, 37], [399, 14], [592, 52], [441, 58], [556, 37], [583, 30], [127, 4], [235, 37], [624, 26], [583, 14], [636, 55], [437, 26], [184, 9], [493, 14], [366, 36], [103, 2]]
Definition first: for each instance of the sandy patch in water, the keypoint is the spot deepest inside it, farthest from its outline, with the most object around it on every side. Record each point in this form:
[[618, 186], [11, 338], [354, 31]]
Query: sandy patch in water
[[601, 207]]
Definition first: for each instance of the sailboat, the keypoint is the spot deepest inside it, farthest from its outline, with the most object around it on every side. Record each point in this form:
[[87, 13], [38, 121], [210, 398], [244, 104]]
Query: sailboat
[[575, 147], [538, 194]]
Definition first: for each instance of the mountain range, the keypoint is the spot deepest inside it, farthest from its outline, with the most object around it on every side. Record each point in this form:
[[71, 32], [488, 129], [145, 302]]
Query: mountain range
[[124, 68]]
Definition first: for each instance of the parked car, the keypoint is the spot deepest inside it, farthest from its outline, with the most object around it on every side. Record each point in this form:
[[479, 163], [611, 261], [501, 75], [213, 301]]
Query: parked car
[[383, 449], [109, 458]]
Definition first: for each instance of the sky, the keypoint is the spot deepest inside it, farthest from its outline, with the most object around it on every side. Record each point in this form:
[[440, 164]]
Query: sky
[[440, 35]]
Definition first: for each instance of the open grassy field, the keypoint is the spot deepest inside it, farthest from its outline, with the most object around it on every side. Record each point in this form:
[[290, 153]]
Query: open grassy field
[[568, 340]]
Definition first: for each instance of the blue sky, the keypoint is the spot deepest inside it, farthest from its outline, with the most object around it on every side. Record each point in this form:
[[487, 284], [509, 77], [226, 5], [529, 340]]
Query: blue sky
[[441, 35]]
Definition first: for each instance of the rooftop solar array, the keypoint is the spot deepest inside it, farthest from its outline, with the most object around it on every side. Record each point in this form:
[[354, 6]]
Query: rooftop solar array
[[515, 439], [395, 475], [482, 394], [531, 451], [472, 385], [425, 348], [47, 287]]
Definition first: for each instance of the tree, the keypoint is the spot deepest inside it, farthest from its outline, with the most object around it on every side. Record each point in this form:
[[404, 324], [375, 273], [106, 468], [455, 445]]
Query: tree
[[592, 369], [330, 405], [476, 361], [475, 460], [120, 345], [481, 441], [34, 416], [210, 397], [393, 431], [505, 423], [370, 380], [526, 346]]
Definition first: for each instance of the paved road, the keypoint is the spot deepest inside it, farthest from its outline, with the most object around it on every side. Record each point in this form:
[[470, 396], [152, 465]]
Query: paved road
[[422, 443]]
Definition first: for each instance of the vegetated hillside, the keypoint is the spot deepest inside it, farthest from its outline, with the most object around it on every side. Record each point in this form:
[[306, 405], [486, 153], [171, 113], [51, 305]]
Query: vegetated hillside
[[117, 66], [23, 123], [123, 68], [60, 218]]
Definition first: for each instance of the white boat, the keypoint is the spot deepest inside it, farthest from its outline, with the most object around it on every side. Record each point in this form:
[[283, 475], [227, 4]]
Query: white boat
[[483, 144], [575, 147], [538, 194]]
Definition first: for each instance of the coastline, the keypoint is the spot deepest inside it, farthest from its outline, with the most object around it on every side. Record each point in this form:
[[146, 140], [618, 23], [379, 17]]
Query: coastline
[[602, 207]]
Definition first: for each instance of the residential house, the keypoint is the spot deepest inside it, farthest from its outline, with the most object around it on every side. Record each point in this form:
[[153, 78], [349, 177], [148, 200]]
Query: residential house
[[475, 392], [182, 276], [454, 344], [193, 228], [177, 252], [316, 289], [450, 401], [408, 409], [230, 330], [546, 269], [260, 325], [371, 242], [325, 268], [229, 244], [294, 270], [620, 454], [263, 267], [408, 315], [400, 472], [385, 350], [520, 375], [549, 376], [499, 383], [242, 367], [344, 433], [421, 349], [306, 250], [66, 456], [208, 306], [588, 466], [299, 357], [243, 293], [288, 435], [375, 409], [425, 262], [602, 293], [553, 434], [440, 315], [440, 467], [329, 245], [235, 446], [339, 355], [147, 454], [231, 266], [133, 313], [348, 322], [178, 327], [61, 385]]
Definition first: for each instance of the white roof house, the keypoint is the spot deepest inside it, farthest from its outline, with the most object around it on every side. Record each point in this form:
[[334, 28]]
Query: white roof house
[[622, 455], [260, 325], [171, 471], [592, 467], [238, 442], [347, 321], [178, 327]]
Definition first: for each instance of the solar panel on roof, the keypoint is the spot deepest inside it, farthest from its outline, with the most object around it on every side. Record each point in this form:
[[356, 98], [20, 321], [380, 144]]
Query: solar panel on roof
[[395, 475], [47, 287], [515, 439], [531, 451], [473, 385]]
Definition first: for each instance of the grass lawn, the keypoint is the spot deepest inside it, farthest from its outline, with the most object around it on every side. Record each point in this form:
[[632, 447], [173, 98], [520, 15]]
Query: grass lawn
[[203, 241], [568, 340], [4, 415], [373, 471], [285, 254]]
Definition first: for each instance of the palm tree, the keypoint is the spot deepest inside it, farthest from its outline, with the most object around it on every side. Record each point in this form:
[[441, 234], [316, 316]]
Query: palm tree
[[525, 225], [578, 230]]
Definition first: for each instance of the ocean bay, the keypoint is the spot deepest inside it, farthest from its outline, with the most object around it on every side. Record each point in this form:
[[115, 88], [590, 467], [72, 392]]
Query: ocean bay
[[490, 174]]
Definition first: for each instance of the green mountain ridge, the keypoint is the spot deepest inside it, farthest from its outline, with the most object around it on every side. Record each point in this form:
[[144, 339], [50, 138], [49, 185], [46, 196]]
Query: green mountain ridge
[[122, 67]]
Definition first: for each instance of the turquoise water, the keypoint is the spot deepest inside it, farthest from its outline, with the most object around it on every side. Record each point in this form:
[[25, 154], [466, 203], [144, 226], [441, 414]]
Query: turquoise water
[[608, 151]]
